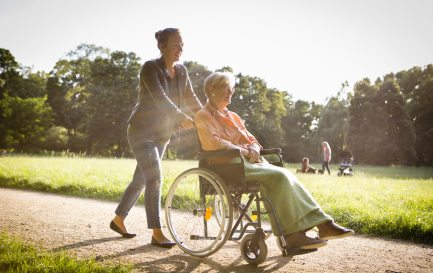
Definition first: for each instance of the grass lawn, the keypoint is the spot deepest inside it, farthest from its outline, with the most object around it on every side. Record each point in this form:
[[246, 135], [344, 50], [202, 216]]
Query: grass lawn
[[394, 202], [17, 257]]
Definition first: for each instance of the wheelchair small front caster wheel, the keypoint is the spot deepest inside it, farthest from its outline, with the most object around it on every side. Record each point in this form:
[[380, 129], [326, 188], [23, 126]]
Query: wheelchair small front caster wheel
[[253, 253]]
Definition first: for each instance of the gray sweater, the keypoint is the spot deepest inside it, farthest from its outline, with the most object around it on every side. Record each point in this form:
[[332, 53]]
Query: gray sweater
[[155, 114]]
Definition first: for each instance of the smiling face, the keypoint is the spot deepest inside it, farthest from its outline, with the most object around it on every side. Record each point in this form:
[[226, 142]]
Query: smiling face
[[172, 50], [219, 88], [222, 95]]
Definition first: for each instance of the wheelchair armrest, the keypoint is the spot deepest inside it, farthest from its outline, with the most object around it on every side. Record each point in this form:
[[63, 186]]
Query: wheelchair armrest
[[234, 152], [273, 156], [270, 151], [219, 153]]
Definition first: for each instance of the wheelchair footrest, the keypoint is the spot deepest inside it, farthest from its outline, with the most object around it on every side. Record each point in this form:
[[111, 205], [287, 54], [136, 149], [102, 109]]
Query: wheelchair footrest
[[297, 251], [198, 237]]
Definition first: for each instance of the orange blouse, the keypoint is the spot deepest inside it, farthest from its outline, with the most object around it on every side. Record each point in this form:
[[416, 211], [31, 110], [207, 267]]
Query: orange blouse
[[222, 130]]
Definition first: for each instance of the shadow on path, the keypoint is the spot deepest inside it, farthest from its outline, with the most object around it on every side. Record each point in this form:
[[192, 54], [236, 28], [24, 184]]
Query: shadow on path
[[88, 243], [184, 263]]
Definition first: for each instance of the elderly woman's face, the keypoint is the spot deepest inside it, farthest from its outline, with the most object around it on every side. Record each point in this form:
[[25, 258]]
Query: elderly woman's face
[[222, 95]]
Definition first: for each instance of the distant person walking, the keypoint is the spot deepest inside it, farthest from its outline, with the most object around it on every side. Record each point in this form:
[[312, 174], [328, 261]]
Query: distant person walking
[[326, 149], [166, 102]]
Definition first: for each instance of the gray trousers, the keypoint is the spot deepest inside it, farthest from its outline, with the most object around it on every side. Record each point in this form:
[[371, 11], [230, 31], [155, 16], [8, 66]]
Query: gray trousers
[[325, 164], [147, 175]]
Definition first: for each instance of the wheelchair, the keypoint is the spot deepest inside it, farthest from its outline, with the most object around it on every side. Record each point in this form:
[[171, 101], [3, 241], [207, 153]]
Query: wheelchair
[[209, 205]]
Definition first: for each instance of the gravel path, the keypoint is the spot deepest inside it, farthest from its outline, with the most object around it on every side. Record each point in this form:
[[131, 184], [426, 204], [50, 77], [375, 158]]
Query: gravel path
[[80, 226]]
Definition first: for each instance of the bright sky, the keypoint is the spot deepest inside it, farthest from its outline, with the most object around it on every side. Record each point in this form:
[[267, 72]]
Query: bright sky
[[307, 48]]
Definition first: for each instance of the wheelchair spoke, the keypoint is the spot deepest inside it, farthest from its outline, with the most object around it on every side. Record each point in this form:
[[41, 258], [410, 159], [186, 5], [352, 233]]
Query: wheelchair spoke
[[199, 212]]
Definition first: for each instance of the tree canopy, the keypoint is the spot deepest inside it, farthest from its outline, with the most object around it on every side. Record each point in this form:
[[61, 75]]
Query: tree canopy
[[82, 105]]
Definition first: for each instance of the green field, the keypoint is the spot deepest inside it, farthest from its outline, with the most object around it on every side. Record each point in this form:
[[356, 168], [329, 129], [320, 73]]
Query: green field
[[394, 202]]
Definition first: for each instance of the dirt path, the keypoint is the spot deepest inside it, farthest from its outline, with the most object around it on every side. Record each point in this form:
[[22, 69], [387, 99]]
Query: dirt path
[[80, 226]]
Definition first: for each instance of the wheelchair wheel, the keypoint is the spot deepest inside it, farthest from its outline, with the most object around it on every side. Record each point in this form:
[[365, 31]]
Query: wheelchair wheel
[[199, 212], [219, 207], [251, 255]]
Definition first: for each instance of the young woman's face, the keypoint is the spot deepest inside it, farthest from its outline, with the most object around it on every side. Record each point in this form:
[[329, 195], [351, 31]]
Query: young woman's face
[[174, 48], [222, 96]]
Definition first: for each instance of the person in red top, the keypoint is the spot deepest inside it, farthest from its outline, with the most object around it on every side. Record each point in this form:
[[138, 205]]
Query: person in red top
[[326, 156], [295, 208]]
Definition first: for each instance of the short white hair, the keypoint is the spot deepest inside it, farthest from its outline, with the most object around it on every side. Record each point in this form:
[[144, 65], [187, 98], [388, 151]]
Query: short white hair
[[216, 80]]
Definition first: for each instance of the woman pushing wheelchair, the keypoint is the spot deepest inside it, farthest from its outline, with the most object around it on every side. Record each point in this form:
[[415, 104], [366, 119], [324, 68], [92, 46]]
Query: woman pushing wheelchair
[[295, 208]]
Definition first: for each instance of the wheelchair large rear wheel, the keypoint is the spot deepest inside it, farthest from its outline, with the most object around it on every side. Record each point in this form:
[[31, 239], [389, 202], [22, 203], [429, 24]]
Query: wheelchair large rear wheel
[[193, 202]]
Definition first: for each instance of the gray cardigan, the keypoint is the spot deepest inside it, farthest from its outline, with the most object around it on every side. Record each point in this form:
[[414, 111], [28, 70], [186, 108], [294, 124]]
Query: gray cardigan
[[155, 115]]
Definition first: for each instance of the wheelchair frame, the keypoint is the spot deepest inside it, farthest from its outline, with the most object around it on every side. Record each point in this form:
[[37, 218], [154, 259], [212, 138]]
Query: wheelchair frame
[[238, 186], [227, 184]]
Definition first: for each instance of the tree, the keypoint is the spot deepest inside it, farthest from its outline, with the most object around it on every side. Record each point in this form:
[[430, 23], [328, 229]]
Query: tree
[[400, 140], [380, 129], [28, 84], [362, 122], [17, 82], [334, 124], [9, 71], [251, 103], [26, 122], [111, 92], [417, 86], [277, 110], [67, 94], [197, 74], [300, 130]]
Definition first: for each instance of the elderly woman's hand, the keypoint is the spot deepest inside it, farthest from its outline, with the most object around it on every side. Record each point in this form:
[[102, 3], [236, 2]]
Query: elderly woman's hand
[[254, 155], [244, 152]]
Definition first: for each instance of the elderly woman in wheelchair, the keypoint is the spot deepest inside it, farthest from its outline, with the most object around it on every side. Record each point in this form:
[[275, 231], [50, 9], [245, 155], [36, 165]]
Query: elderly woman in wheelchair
[[292, 209]]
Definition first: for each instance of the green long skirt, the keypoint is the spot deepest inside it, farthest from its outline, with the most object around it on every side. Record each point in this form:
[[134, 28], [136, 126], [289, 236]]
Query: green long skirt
[[295, 208]]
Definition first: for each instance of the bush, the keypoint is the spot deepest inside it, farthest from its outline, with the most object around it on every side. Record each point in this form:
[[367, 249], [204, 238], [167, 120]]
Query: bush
[[56, 139]]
